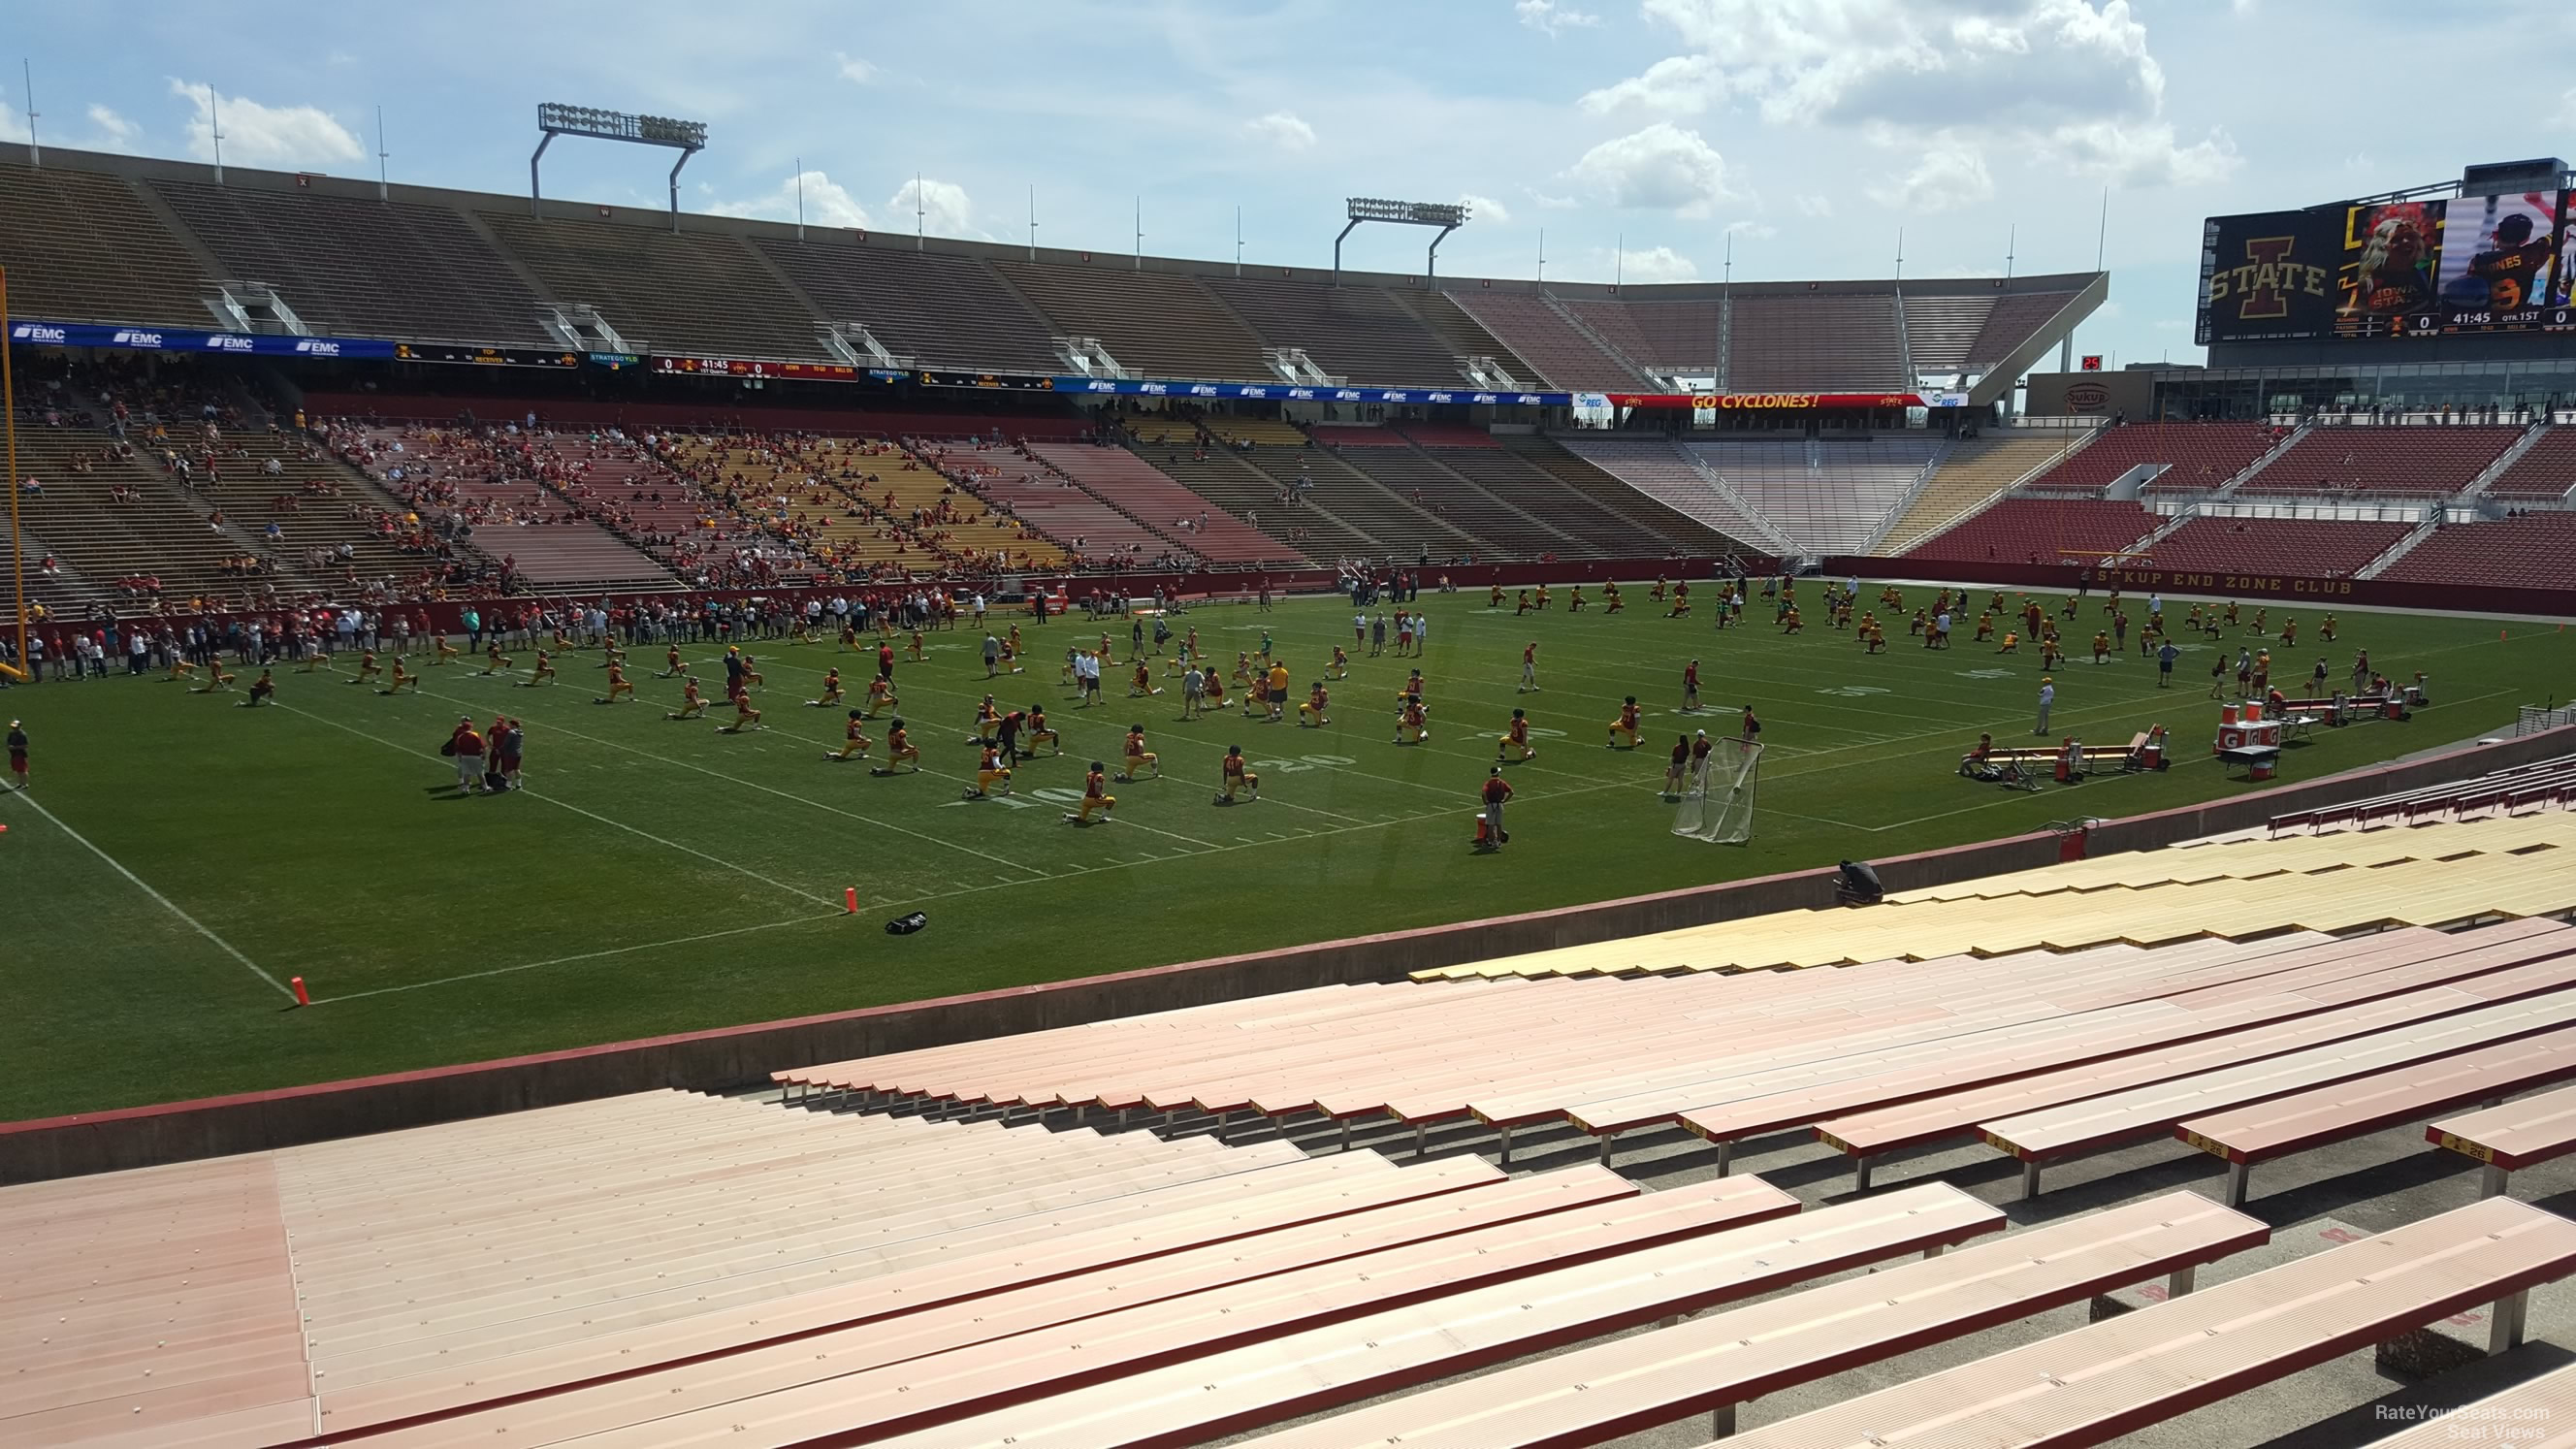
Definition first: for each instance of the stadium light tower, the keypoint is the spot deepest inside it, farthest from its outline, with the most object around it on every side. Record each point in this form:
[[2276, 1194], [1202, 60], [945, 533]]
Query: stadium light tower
[[555, 119], [1445, 215]]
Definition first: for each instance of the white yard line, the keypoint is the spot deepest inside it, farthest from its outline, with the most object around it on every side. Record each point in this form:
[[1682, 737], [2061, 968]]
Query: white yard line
[[584, 956], [767, 790], [139, 883], [575, 809]]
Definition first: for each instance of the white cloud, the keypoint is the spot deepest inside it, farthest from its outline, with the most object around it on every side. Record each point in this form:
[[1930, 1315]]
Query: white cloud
[[1663, 167], [1551, 19], [1283, 130], [1679, 84], [111, 132], [263, 135], [852, 68], [1752, 230], [13, 120], [1943, 178], [944, 209], [827, 203], [2072, 82], [1651, 264], [1486, 209], [1551, 203], [1811, 204], [2142, 155]]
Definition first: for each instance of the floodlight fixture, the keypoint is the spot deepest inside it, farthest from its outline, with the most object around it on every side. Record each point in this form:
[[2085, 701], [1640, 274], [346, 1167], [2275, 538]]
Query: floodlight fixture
[[556, 119], [1446, 215]]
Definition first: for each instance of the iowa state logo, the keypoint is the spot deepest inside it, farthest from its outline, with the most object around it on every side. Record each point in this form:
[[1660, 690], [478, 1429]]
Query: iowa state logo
[[2271, 274]]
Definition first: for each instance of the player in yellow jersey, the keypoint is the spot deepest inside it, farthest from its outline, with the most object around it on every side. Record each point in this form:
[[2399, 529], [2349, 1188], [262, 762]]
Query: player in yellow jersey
[[217, 681], [1256, 699], [917, 653], [744, 716], [611, 656], [849, 636], [1311, 713], [1623, 730], [494, 660], [401, 678], [1095, 797], [854, 741], [832, 692], [619, 686], [693, 705], [991, 776], [899, 748], [544, 671], [880, 696], [1140, 759], [367, 667], [1340, 667], [672, 667], [1515, 743], [1039, 732], [1235, 775], [988, 722], [1278, 692], [441, 651], [1610, 600], [1141, 684], [1681, 601], [180, 668], [2326, 628], [1574, 599], [1412, 722]]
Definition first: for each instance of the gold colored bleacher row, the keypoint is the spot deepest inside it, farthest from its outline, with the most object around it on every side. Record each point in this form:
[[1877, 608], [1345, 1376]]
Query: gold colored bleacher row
[[2411, 877]]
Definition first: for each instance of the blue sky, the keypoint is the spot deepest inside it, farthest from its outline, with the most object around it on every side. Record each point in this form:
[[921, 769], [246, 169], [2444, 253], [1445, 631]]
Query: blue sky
[[1639, 137]]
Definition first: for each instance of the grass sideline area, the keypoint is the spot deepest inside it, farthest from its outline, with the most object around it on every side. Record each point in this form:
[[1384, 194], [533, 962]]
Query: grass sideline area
[[179, 857]]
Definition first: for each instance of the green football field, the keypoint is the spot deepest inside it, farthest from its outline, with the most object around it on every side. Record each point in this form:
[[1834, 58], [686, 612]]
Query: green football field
[[179, 858]]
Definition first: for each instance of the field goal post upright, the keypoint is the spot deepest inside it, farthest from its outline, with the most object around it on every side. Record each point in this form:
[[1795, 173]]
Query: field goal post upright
[[1718, 805], [9, 479]]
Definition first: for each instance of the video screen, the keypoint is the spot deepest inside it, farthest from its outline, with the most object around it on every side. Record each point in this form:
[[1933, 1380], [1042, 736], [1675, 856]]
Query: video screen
[[2269, 276], [2499, 261], [2391, 257]]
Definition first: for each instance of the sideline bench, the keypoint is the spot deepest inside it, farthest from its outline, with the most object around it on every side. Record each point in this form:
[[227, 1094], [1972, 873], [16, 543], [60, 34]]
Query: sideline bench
[[2119, 1376], [2287, 1125], [1713, 1364], [2511, 1137]]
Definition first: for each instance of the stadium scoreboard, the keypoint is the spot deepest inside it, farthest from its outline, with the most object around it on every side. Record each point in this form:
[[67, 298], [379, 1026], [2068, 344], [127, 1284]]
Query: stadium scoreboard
[[2394, 268]]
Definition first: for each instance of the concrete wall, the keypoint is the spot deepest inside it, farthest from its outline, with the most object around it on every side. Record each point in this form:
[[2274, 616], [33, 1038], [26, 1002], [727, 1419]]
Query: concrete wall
[[736, 1056]]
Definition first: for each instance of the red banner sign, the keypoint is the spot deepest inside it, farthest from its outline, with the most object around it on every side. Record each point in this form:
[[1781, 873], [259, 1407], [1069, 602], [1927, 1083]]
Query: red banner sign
[[1766, 401]]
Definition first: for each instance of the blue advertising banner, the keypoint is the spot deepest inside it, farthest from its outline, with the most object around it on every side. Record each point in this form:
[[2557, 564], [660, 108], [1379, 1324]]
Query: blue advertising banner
[[184, 339], [1300, 392]]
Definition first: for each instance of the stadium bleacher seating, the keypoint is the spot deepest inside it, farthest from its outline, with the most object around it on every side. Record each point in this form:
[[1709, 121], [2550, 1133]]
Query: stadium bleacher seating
[[1941, 331], [1828, 495], [2016, 318], [2316, 547], [538, 534], [704, 535], [1557, 351], [2040, 530], [1828, 342], [82, 247], [663, 290], [1665, 471], [1651, 516], [1463, 335], [2544, 473], [363, 268], [943, 311], [1975, 470], [1154, 323], [1355, 332], [1309, 479], [2197, 457], [2548, 784], [1664, 335], [2508, 1137], [1227, 479], [2533, 550], [1128, 483], [1388, 458], [2425, 461]]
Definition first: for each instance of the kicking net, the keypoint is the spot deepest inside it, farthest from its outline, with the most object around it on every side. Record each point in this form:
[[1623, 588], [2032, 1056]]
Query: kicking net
[[1719, 806]]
